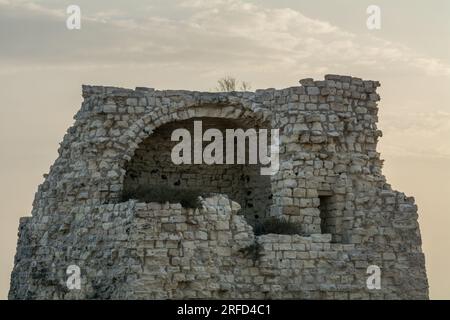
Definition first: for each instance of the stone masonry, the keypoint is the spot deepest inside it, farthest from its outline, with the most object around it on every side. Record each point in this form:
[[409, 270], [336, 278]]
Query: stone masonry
[[330, 182]]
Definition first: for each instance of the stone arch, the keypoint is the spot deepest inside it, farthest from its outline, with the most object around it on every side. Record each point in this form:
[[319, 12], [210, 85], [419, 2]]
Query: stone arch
[[243, 117], [144, 127]]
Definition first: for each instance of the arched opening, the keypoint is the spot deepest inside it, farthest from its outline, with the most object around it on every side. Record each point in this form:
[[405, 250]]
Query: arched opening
[[151, 168]]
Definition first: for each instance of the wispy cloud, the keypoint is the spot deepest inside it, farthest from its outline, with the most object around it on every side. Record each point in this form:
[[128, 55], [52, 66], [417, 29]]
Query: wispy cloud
[[32, 7], [232, 33]]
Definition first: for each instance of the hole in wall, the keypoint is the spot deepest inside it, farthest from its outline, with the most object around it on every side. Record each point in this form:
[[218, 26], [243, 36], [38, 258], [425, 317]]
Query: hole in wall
[[330, 217]]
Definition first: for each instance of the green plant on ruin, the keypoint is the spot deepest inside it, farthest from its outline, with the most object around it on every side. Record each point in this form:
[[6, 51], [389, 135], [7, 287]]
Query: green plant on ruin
[[277, 226], [188, 198]]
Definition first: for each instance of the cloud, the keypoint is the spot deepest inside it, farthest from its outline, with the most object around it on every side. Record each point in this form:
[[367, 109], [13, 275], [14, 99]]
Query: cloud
[[27, 7], [229, 34]]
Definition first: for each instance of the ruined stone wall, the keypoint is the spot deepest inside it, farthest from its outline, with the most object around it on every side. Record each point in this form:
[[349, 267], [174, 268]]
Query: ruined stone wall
[[161, 251], [329, 181]]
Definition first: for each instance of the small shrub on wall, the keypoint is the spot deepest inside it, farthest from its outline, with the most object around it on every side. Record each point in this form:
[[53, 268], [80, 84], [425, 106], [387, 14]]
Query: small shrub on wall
[[277, 226], [188, 198]]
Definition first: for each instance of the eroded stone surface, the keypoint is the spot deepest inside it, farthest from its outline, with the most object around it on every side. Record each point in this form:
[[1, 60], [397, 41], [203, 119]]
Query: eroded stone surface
[[330, 181]]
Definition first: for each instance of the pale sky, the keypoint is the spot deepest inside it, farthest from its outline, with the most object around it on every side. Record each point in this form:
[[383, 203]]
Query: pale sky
[[190, 44]]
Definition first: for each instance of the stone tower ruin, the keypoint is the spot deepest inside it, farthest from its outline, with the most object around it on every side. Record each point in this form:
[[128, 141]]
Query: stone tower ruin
[[329, 182]]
